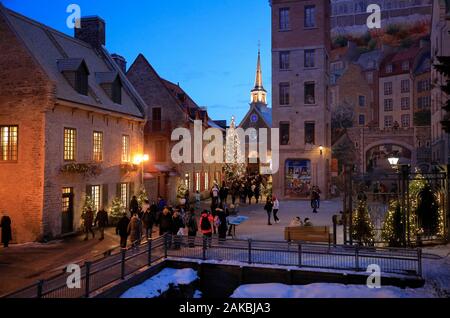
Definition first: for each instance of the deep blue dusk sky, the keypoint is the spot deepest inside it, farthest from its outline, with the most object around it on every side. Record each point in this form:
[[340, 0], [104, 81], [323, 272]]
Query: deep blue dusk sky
[[208, 46]]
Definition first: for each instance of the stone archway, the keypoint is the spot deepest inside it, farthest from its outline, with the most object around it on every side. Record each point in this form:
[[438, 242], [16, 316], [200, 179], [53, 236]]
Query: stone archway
[[387, 143]]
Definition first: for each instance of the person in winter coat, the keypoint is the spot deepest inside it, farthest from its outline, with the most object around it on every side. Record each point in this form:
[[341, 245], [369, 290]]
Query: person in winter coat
[[206, 227], [223, 193], [276, 208], [165, 222], [269, 207], [221, 223], [192, 227], [178, 225], [161, 204], [147, 219], [5, 225], [122, 230], [135, 230], [297, 221], [215, 195], [88, 219], [102, 221], [134, 206]]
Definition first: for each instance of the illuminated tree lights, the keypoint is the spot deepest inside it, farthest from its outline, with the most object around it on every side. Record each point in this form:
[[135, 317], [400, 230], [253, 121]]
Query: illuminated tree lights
[[363, 228], [234, 168], [426, 214]]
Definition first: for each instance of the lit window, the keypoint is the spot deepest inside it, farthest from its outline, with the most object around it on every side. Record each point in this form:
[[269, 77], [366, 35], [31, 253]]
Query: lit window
[[197, 181], [126, 148], [8, 143], [124, 194], [70, 139], [98, 146], [95, 196], [187, 181], [206, 181]]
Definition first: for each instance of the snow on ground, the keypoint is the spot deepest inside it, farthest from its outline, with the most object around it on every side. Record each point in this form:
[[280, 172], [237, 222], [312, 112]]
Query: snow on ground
[[161, 282], [436, 269], [257, 291]]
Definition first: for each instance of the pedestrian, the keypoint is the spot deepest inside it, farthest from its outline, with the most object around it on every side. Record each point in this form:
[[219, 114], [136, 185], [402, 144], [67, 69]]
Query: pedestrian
[[161, 204], [101, 220], [198, 200], [257, 192], [307, 223], [276, 208], [177, 228], [221, 223], [192, 227], [122, 230], [5, 225], [269, 207], [223, 193], [315, 199], [147, 219], [134, 205], [205, 227], [135, 230], [88, 219], [215, 195], [249, 193], [165, 222]]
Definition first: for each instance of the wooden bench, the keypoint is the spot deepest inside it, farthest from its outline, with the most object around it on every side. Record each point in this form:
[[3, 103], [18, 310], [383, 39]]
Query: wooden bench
[[308, 234]]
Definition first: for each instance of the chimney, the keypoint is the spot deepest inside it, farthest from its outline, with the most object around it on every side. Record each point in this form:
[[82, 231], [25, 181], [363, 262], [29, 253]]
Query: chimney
[[92, 31], [120, 61]]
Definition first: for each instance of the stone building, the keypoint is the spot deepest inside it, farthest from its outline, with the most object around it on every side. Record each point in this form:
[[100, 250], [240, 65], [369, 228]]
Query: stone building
[[440, 46], [300, 106], [70, 124], [170, 107], [258, 116]]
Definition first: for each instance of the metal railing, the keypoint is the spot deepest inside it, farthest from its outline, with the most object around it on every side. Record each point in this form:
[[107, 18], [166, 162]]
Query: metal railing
[[100, 273]]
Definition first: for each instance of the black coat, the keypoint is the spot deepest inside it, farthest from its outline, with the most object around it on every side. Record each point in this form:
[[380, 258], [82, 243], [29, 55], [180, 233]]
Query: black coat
[[102, 218], [5, 224], [165, 223], [122, 226], [134, 206], [177, 224]]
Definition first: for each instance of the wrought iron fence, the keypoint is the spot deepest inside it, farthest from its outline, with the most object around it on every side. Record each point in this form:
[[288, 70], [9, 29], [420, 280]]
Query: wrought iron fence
[[100, 273]]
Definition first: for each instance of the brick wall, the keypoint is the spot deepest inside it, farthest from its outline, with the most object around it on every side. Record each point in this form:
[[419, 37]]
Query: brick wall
[[25, 95]]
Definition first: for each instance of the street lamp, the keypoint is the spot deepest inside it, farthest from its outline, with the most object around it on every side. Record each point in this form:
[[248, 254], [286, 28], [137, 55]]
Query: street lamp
[[140, 160], [393, 161], [321, 150]]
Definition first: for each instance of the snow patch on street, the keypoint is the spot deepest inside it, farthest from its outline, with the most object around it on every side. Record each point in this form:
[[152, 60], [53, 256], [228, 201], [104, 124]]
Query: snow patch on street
[[271, 291], [161, 282]]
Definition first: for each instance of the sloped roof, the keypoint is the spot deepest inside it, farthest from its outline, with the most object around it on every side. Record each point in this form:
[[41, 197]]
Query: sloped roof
[[56, 51], [70, 64]]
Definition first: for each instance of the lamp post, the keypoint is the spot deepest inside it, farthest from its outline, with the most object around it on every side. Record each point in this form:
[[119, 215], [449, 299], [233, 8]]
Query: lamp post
[[140, 160]]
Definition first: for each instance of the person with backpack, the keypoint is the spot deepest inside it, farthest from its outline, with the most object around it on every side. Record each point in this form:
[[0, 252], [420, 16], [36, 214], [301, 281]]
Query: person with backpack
[[205, 226], [192, 227], [220, 222]]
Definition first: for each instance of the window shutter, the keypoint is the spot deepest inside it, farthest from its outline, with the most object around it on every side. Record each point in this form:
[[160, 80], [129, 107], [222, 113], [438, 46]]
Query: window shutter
[[105, 195]]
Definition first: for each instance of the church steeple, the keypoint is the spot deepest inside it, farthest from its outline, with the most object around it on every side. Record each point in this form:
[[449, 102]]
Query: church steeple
[[259, 94]]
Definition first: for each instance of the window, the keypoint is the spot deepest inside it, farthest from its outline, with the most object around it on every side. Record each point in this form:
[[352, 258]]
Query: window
[[310, 16], [8, 143], [369, 78], [405, 121], [187, 181], [197, 181], [405, 66], [423, 86], [362, 101], [284, 133], [70, 141], [389, 68], [206, 181], [284, 60], [388, 121], [310, 93], [310, 133], [95, 196], [310, 58], [388, 88], [424, 102], [126, 148], [97, 146], [362, 120], [284, 93], [336, 66], [388, 105], [405, 86], [284, 19], [81, 81], [405, 103], [124, 194]]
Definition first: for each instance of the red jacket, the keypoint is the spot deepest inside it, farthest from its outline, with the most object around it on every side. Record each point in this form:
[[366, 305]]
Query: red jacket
[[210, 220]]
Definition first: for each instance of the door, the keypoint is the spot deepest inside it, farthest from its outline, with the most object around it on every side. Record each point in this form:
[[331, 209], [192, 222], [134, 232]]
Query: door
[[67, 211]]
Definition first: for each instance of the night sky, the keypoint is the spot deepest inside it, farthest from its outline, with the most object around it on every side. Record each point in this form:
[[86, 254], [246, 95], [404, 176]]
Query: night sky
[[209, 47]]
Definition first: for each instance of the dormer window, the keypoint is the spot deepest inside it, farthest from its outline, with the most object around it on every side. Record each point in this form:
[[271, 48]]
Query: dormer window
[[76, 73], [389, 68], [111, 84]]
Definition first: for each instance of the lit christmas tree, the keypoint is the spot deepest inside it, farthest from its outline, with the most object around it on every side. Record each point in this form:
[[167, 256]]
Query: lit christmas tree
[[234, 168], [363, 229], [117, 210], [142, 197]]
